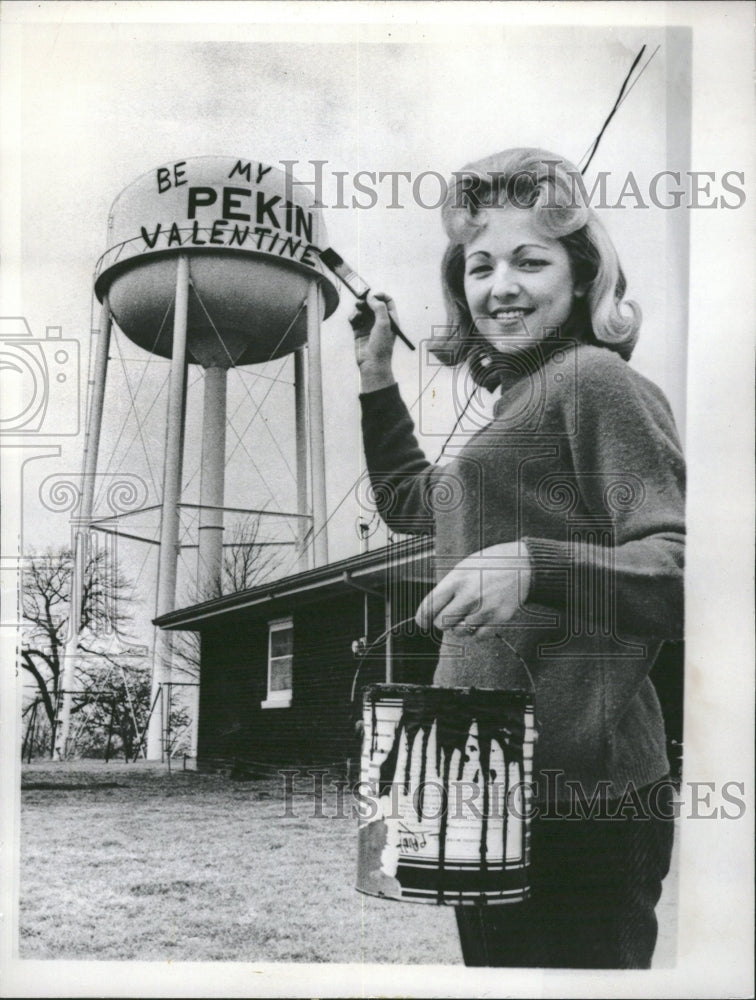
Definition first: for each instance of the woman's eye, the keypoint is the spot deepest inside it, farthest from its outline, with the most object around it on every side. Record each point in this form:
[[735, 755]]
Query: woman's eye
[[479, 269], [532, 264]]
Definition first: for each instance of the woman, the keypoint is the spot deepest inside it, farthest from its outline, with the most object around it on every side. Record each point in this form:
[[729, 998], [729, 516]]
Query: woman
[[559, 533]]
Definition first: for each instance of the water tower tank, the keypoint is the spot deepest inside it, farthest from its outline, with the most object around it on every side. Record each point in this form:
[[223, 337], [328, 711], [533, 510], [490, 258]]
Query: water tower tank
[[250, 238]]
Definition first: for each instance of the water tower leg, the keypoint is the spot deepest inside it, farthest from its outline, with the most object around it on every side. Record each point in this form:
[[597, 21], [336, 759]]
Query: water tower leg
[[92, 443], [317, 443], [212, 482], [300, 415], [81, 539], [169, 523]]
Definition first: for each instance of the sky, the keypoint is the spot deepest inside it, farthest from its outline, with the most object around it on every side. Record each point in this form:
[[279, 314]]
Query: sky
[[94, 95], [103, 104]]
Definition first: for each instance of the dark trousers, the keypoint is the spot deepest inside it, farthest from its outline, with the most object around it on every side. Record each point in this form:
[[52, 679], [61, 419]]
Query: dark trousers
[[595, 883]]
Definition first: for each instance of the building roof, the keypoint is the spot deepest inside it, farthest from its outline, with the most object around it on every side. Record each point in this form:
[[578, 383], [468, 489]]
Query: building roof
[[366, 572]]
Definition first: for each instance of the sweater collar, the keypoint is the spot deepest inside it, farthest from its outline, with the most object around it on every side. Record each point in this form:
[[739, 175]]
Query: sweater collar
[[492, 369]]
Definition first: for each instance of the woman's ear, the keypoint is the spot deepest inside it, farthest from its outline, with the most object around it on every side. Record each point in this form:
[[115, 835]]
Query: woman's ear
[[580, 291]]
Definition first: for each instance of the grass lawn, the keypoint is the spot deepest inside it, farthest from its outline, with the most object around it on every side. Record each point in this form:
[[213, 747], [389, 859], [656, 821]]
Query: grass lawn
[[130, 862]]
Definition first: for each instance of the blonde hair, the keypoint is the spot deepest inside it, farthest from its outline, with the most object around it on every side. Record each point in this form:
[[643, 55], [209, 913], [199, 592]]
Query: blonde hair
[[550, 187]]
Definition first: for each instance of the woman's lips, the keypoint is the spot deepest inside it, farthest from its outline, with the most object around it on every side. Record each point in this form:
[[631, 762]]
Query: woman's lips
[[505, 315], [507, 321]]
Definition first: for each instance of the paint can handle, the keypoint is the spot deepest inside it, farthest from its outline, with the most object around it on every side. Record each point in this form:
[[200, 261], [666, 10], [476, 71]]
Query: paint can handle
[[405, 621]]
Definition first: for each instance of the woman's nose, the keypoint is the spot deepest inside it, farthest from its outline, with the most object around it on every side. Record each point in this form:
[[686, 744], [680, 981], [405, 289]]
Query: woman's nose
[[505, 282]]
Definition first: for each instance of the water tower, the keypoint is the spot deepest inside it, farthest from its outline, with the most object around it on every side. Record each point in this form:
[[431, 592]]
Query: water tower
[[212, 261]]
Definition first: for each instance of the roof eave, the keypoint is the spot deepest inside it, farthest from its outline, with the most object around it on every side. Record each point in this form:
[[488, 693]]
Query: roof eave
[[341, 575]]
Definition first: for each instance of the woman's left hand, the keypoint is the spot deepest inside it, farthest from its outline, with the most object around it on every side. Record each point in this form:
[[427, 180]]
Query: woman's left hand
[[481, 593]]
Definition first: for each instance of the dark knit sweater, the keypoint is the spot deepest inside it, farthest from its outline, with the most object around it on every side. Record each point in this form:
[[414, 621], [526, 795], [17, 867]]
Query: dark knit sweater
[[582, 465]]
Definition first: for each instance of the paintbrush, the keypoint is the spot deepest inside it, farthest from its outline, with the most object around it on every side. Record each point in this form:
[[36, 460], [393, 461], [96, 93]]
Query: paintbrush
[[355, 284]]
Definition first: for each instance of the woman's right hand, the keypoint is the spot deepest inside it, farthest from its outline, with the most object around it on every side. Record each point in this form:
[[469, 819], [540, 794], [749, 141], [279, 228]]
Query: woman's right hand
[[373, 339]]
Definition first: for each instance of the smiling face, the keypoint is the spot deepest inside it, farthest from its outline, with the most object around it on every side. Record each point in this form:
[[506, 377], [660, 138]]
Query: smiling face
[[518, 283]]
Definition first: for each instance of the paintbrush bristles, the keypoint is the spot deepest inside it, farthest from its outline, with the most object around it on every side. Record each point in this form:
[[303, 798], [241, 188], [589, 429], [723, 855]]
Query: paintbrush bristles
[[335, 263]]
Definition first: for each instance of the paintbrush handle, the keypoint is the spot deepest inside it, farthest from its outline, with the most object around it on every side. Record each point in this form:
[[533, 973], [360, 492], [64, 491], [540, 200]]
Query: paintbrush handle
[[394, 326], [348, 276], [398, 333]]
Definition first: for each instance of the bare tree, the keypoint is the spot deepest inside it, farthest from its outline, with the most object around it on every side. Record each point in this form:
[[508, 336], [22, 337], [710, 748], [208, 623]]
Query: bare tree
[[111, 703], [111, 709], [247, 560], [46, 595]]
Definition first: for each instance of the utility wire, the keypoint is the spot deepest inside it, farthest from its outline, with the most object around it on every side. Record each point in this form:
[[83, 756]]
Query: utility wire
[[590, 153], [594, 146], [457, 422], [350, 491], [640, 74]]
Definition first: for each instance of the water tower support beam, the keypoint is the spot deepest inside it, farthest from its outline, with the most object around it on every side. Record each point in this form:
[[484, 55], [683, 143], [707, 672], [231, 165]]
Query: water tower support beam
[[212, 495], [212, 484], [300, 417], [94, 422], [169, 522], [81, 537], [317, 443]]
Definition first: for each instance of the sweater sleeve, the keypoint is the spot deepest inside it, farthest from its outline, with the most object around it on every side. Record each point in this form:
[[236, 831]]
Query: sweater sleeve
[[398, 469], [629, 478]]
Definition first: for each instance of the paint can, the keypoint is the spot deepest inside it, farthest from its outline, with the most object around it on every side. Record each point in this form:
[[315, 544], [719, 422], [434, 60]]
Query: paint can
[[444, 797]]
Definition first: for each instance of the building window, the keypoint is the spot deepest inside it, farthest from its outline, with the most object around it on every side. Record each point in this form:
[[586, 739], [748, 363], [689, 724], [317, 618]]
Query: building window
[[280, 660]]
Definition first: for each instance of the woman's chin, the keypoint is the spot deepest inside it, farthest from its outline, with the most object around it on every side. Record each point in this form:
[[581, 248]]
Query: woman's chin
[[512, 343], [505, 337]]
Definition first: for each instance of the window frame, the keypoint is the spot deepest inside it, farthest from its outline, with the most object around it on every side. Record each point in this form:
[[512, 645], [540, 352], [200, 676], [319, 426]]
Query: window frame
[[280, 698]]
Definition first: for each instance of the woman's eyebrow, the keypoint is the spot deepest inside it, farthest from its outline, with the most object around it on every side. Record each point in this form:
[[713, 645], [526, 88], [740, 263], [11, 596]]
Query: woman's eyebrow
[[522, 246]]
